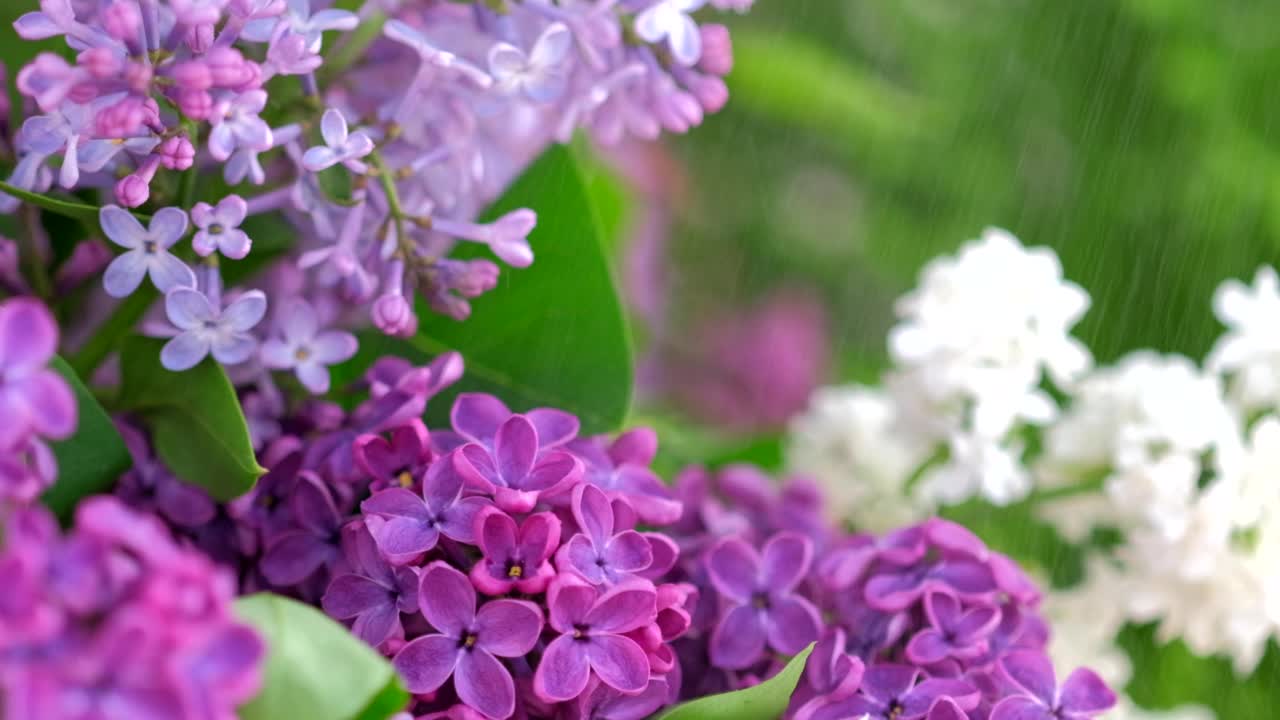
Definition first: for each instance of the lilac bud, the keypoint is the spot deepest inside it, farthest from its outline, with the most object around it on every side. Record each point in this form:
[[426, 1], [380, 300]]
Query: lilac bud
[[393, 315], [199, 37], [192, 75], [122, 20], [470, 278], [10, 270], [711, 92], [177, 153], [227, 67], [138, 76], [87, 259], [133, 190], [195, 104], [717, 50], [101, 63]]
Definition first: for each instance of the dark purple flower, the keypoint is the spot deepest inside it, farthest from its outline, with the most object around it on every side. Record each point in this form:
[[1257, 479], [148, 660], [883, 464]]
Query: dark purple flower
[[149, 486], [953, 631], [601, 702], [621, 469], [830, 674], [891, 692], [397, 462], [33, 398], [596, 553], [374, 593], [514, 558], [477, 417], [468, 643], [592, 640], [946, 709], [1083, 696], [512, 470], [295, 554], [958, 564], [406, 524], [763, 607]]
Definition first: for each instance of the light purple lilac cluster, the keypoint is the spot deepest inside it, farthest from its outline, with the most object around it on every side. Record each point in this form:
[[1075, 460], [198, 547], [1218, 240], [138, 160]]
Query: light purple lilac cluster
[[294, 102], [923, 622], [115, 620], [36, 404]]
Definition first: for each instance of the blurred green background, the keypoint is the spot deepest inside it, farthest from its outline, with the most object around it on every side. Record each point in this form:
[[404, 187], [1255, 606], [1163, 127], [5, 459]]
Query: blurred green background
[[1138, 138]]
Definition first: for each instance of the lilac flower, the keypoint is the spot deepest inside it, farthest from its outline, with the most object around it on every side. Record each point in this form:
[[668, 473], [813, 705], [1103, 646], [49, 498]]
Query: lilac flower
[[468, 643], [374, 593], [670, 20], [621, 469], [397, 462], [70, 129], [219, 228], [151, 487], [891, 692], [953, 631], [831, 674], [507, 237], [592, 640], [476, 418], [340, 146], [236, 125], [763, 605], [148, 251], [205, 329], [596, 553], [945, 708], [539, 75], [300, 19], [1083, 696], [412, 524], [305, 349], [406, 34], [601, 702], [294, 555], [514, 558], [899, 587], [33, 398], [512, 471]]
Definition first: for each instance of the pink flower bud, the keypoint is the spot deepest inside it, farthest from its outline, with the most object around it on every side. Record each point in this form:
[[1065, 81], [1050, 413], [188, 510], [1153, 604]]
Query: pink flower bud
[[195, 104], [101, 63], [192, 75], [138, 76], [226, 66], [132, 191], [177, 153], [199, 37], [393, 315], [717, 50], [122, 21], [710, 91]]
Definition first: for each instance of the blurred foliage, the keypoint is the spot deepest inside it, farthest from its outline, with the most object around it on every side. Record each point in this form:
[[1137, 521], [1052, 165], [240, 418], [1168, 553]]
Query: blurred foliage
[[1133, 136], [1138, 138]]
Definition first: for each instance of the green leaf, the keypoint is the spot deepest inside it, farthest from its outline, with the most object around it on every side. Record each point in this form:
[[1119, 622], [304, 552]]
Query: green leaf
[[91, 460], [765, 701], [552, 334], [197, 426], [316, 668]]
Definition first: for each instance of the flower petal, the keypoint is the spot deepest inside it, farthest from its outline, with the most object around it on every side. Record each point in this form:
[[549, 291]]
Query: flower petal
[[514, 448], [594, 513], [396, 502], [1031, 672], [784, 561], [447, 599], [508, 628], [497, 536], [28, 334], [733, 566], [484, 684], [563, 673], [184, 351], [793, 623], [121, 227], [624, 608], [629, 552], [580, 556], [569, 603], [168, 272], [402, 539], [1019, 708], [738, 640], [350, 595], [333, 128], [425, 663], [188, 308], [168, 226], [292, 557], [234, 348], [378, 624], [619, 661], [334, 346], [125, 274], [1085, 693], [245, 311], [477, 416]]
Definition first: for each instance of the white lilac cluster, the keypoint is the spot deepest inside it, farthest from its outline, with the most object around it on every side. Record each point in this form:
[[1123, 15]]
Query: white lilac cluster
[[1182, 459]]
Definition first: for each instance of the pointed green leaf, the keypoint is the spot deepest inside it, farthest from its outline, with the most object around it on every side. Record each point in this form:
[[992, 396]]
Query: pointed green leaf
[[316, 669], [553, 334], [91, 460], [197, 426], [765, 701]]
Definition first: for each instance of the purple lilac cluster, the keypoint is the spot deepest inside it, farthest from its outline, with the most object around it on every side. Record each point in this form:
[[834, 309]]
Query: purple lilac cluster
[[923, 622], [291, 101], [113, 619], [36, 403], [500, 563]]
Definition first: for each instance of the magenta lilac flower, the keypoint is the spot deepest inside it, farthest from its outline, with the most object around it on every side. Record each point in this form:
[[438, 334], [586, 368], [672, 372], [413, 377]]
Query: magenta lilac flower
[[113, 619], [35, 402]]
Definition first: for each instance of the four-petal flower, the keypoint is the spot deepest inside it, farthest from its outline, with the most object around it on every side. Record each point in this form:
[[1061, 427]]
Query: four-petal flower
[[148, 251]]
